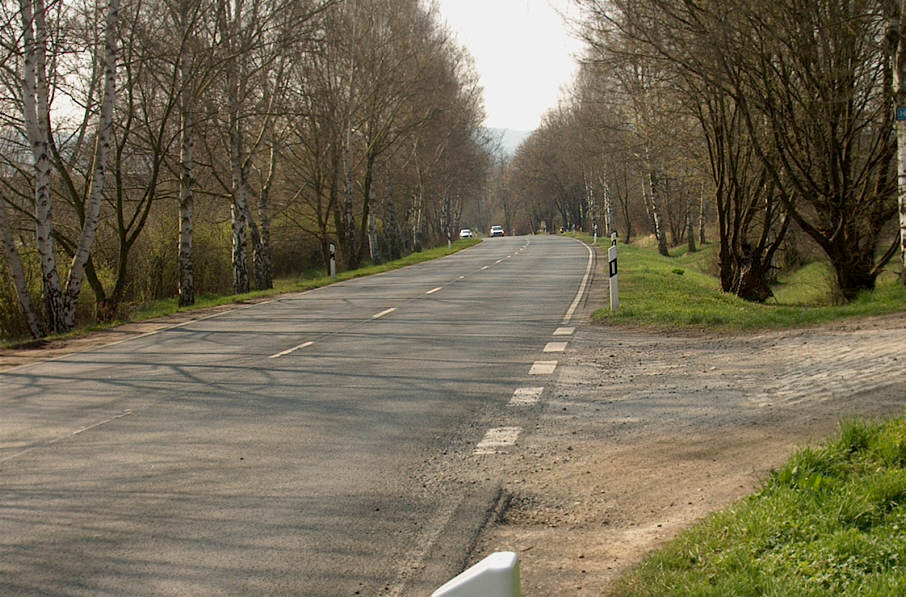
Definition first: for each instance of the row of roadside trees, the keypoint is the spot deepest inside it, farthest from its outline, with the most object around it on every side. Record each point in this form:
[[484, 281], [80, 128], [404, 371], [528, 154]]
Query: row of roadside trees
[[761, 119], [185, 146]]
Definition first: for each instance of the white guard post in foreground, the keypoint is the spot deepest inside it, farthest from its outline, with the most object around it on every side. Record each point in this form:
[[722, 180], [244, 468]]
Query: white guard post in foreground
[[495, 576]]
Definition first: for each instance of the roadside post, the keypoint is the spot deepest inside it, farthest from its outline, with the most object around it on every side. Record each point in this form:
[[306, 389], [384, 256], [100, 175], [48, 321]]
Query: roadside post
[[596, 234], [333, 260], [495, 576], [612, 263]]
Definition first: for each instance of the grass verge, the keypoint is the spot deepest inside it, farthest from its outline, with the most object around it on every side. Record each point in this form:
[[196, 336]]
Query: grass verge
[[309, 281], [830, 522], [677, 293]]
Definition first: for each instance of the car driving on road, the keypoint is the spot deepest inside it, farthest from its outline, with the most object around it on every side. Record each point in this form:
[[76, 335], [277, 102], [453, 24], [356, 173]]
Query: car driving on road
[[496, 230], [465, 233]]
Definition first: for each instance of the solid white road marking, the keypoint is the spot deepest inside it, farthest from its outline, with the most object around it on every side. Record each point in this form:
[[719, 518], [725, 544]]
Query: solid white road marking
[[581, 292], [384, 312], [496, 438], [526, 396], [433, 290], [290, 350], [564, 331], [555, 346], [543, 367]]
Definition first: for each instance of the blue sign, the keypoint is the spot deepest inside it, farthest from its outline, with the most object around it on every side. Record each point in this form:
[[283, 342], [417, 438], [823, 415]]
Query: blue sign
[[901, 113]]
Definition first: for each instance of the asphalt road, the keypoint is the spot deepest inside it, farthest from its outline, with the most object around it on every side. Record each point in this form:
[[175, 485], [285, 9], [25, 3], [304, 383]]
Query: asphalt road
[[283, 448]]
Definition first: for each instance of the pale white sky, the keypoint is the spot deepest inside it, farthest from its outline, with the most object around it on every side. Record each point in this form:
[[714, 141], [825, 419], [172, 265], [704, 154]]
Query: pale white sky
[[523, 53]]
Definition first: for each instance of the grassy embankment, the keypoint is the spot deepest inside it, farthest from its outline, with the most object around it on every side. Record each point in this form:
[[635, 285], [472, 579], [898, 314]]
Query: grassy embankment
[[309, 281], [831, 523], [676, 292], [832, 520]]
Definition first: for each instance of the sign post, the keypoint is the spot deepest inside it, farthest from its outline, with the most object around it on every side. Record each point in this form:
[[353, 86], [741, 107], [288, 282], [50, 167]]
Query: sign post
[[333, 260], [614, 282]]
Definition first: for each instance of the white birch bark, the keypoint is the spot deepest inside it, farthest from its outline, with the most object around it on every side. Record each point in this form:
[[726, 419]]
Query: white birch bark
[[101, 152], [898, 26], [185, 256], [14, 263], [36, 114]]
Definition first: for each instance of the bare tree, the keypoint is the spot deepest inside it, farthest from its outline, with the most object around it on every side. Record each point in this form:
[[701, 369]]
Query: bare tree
[[61, 303]]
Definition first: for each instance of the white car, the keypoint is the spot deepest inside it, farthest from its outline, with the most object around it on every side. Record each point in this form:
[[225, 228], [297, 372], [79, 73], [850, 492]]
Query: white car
[[465, 233], [496, 230]]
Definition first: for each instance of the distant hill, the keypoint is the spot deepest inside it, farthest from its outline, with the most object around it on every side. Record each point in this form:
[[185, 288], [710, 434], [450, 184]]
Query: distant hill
[[509, 139]]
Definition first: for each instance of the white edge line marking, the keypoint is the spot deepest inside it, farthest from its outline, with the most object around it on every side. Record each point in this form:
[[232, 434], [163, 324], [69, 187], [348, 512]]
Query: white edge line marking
[[526, 396], [555, 346], [290, 350], [433, 290], [543, 367], [384, 312], [572, 308]]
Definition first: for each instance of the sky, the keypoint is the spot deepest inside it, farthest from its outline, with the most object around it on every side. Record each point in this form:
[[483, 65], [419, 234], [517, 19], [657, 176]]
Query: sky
[[523, 53]]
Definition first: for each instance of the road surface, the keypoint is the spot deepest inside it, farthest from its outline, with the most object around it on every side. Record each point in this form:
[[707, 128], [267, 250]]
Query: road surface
[[289, 447]]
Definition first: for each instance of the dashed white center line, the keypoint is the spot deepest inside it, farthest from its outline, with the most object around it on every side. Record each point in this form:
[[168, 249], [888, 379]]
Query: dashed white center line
[[496, 438], [485, 267], [433, 290], [555, 346], [565, 331], [383, 313], [526, 396], [462, 277], [290, 350], [60, 438], [543, 367]]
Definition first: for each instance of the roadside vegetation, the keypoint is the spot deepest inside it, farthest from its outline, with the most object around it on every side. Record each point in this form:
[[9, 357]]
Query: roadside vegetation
[[830, 522], [308, 281], [680, 292]]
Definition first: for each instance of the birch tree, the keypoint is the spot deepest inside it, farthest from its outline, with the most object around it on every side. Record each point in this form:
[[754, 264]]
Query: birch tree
[[61, 302], [895, 11]]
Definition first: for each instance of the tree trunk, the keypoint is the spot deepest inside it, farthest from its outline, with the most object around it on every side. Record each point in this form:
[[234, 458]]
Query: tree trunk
[[897, 41], [702, 213], [14, 262], [649, 193], [36, 113], [239, 210], [101, 151], [690, 224], [185, 259], [264, 271]]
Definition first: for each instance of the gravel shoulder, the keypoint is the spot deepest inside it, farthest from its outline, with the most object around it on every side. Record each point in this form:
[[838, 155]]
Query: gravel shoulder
[[641, 434]]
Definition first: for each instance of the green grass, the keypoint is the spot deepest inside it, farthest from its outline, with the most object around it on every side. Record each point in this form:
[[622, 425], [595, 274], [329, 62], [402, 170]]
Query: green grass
[[308, 281], [830, 522], [680, 292]]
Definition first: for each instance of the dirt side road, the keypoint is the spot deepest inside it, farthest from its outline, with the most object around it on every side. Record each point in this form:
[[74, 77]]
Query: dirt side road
[[641, 435]]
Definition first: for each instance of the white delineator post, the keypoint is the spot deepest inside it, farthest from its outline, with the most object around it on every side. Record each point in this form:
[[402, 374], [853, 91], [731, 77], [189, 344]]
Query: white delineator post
[[612, 263], [495, 576]]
